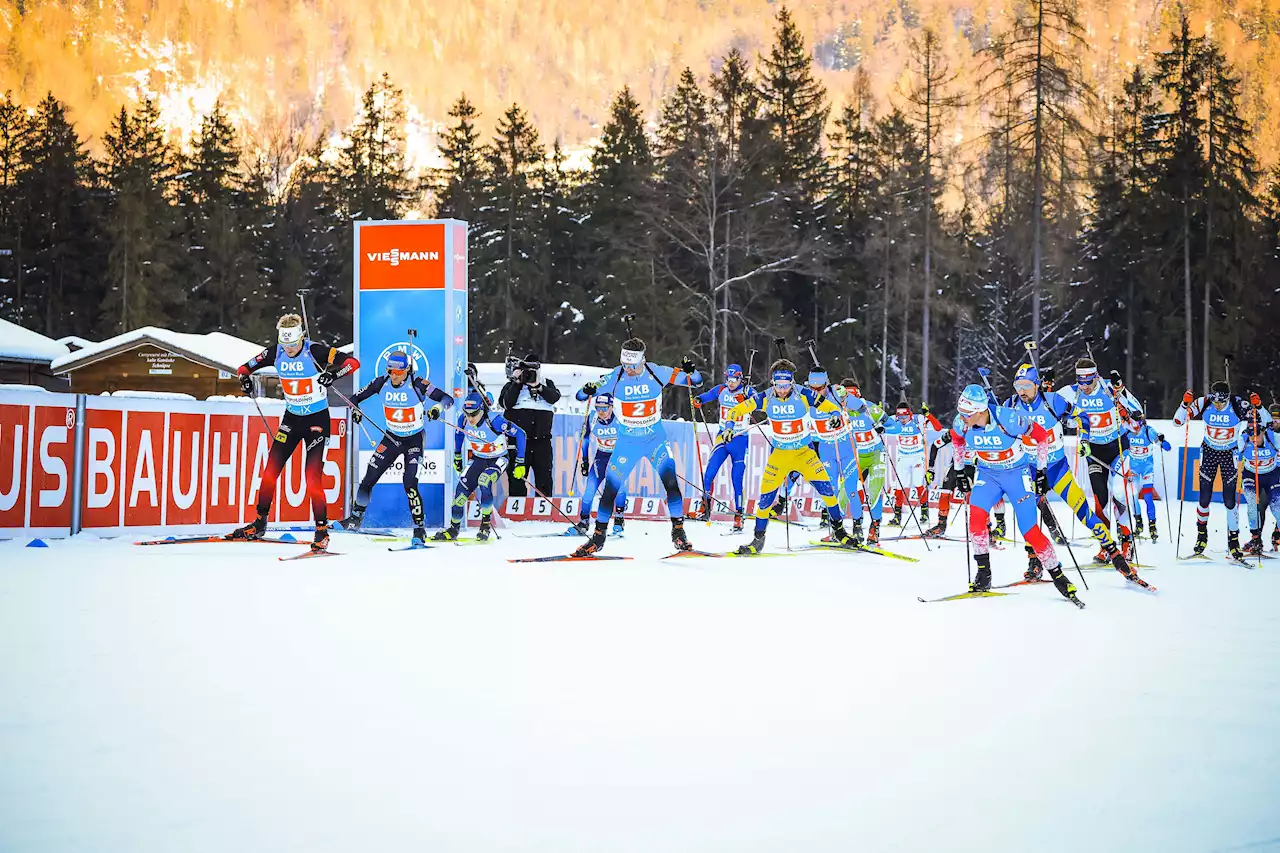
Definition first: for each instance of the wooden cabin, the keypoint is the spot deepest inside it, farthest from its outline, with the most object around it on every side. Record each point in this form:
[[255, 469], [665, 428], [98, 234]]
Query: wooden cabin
[[158, 360]]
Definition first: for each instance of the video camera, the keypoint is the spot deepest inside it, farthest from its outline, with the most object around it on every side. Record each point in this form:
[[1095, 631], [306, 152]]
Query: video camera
[[526, 371]]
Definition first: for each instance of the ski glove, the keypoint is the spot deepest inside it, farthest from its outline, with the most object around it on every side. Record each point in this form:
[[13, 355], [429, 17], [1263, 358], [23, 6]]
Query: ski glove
[[880, 429], [590, 388], [326, 378], [1255, 400], [519, 471], [686, 364], [1188, 398], [457, 462], [964, 483], [835, 421], [924, 409], [1116, 381], [246, 383], [1042, 483], [356, 415], [928, 477], [1085, 449], [433, 413], [697, 404], [1164, 445], [585, 467], [725, 435]]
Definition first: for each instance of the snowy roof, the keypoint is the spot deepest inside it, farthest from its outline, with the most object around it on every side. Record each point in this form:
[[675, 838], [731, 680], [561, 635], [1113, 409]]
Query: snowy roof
[[74, 342], [20, 344], [216, 349]]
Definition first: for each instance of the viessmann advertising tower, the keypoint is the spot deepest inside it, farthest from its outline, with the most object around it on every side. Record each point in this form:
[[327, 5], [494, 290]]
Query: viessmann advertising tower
[[411, 275]]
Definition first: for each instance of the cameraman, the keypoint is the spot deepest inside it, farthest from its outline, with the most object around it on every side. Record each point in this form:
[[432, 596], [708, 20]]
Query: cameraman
[[528, 401]]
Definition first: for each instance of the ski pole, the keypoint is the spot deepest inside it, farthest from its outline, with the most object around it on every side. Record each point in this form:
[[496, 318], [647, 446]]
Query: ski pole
[[1257, 490], [265, 423], [710, 497], [1053, 520], [968, 535], [1182, 475], [1164, 491], [697, 446]]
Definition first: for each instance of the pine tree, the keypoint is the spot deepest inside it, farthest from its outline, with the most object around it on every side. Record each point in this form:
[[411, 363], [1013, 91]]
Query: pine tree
[[141, 225], [220, 252], [932, 102], [794, 104], [460, 183], [1180, 73], [374, 175], [618, 245], [506, 309], [15, 130], [847, 215], [794, 108], [1036, 71]]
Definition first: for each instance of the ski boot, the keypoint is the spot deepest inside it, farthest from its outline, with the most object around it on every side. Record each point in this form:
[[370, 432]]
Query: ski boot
[[1137, 525], [982, 579], [1065, 586], [352, 522], [321, 542], [581, 527], [678, 537], [619, 523], [1126, 545], [1233, 545], [840, 536], [824, 520], [738, 526], [449, 534], [594, 544], [1275, 538], [1202, 537], [1151, 528], [1117, 558], [703, 513], [755, 546], [855, 530], [251, 532], [924, 517], [1254, 546], [1058, 538], [419, 536], [873, 534], [482, 535], [896, 521], [999, 531], [938, 531], [1035, 569]]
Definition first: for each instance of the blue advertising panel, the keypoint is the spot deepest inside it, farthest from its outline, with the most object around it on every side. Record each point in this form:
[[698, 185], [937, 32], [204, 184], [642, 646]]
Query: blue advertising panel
[[411, 295]]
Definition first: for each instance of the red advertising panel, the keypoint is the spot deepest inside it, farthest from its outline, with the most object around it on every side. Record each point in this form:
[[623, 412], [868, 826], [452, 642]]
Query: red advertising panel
[[103, 467], [144, 469], [184, 497], [401, 256], [52, 460], [15, 443], [225, 469]]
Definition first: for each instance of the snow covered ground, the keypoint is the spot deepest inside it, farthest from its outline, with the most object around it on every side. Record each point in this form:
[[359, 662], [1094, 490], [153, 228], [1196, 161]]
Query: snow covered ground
[[210, 698]]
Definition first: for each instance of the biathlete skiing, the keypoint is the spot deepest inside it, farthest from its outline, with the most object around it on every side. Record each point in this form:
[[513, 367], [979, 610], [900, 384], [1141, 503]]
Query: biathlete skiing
[[403, 399], [306, 369], [636, 386]]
